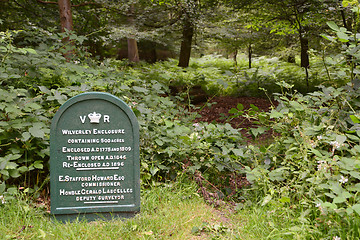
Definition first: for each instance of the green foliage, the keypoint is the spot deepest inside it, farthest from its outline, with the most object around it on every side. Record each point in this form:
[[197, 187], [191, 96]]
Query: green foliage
[[314, 160], [266, 72], [170, 142], [167, 210], [24, 136]]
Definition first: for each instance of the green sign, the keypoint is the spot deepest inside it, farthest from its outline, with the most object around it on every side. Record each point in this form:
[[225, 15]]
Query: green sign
[[94, 159]]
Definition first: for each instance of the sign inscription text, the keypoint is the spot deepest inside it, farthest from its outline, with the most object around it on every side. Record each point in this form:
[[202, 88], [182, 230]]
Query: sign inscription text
[[94, 157]]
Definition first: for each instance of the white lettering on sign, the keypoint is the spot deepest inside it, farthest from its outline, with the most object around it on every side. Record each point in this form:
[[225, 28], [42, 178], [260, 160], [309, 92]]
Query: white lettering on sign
[[107, 132], [84, 191], [78, 158], [86, 198], [100, 184], [82, 140], [116, 190], [92, 179], [96, 157], [112, 197], [76, 132], [88, 150], [95, 117], [82, 119], [95, 131], [92, 152]]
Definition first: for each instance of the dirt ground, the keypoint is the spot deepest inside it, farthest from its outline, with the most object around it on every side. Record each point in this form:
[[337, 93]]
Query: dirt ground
[[221, 107]]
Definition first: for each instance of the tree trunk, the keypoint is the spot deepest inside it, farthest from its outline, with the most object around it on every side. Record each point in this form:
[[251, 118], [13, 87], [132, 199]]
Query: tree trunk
[[185, 51], [133, 52], [66, 19], [304, 42], [66, 22], [250, 55], [304, 55], [235, 56]]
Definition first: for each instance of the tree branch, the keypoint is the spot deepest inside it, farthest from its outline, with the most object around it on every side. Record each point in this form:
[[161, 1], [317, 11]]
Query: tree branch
[[45, 2], [86, 4], [77, 5]]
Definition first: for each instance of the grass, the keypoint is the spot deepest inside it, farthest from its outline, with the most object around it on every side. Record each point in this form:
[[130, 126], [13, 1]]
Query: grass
[[168, 211], [175, 211], [172, 211]]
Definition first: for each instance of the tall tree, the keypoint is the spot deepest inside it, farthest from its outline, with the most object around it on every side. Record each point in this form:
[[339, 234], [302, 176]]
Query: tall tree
[[190, 13], [301, 17], [66, 23], [133, 52], [186, 43], [66, 19]]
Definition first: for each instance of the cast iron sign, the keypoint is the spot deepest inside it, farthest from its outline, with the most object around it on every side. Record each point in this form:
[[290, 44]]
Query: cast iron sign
[[94, 159]]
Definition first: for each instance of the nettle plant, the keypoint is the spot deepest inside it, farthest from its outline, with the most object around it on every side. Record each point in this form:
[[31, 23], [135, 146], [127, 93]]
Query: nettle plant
[[314, 160], [172, 144]]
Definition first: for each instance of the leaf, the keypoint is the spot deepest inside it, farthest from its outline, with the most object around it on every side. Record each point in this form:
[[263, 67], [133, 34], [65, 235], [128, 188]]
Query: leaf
[[340, 139], [316, 152], [339, 199], [140, 89], [159, 142], [25, 136], [354, 119], [37, 131], [356, 208], [266, 200], [297, 106], [44, 90], [253, 107], [257, 131], [277, 174], [11, 165], [38, 165], [343, 37], [238, 152], [349, 211], [23, 169], [30, 50], [276, 114], [333, 26], [240, 106], [169, 123], [355, 174], [14, 173], [2, 187], [328, 37], [284, 200], [233, 111], [154, 170], [331, 195]]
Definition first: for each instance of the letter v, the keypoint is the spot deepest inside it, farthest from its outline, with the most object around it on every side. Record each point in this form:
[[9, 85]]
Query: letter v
[[83, 118]]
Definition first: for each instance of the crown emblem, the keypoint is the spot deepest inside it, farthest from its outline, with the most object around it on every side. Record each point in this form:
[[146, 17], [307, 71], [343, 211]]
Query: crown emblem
[[94, 117]]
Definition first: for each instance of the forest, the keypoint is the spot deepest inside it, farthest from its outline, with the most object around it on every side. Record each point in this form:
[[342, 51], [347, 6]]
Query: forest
[[248, 110]]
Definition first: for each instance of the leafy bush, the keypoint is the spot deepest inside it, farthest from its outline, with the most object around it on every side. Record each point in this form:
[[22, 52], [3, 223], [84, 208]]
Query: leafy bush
[[35, 81], [313, 163], [266, 72]]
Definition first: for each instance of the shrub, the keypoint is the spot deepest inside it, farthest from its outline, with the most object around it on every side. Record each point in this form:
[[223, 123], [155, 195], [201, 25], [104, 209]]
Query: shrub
[[313, 163]]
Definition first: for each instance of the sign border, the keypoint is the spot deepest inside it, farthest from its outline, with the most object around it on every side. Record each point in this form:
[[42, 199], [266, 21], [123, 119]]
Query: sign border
[[91, 213]]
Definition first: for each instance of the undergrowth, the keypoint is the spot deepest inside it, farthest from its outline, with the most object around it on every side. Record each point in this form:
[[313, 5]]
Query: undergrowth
[[309, 174]]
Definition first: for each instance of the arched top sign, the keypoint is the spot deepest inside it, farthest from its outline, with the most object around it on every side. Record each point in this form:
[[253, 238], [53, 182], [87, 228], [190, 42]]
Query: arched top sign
[[94, 158]]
